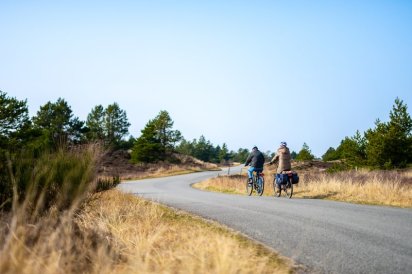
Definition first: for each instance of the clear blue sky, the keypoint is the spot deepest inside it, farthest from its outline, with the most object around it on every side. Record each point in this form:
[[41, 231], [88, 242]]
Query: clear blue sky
[[241, 72]]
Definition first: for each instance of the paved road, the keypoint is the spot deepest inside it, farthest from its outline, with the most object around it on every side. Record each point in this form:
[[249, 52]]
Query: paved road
[[324, 236]]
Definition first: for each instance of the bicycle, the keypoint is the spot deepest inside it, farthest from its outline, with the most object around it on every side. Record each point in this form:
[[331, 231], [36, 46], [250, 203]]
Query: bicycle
[[258, 183], [287, 187]]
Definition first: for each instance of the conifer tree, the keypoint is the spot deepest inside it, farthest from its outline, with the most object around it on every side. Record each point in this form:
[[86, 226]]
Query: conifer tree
[[108, 125], [389, 145], [305, 154], [58, 124], [157, 142]]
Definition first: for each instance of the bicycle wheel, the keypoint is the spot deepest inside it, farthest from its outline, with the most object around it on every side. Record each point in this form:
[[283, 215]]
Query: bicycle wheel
[[275, 187], [288, 189], [249, 188], [260, 185]]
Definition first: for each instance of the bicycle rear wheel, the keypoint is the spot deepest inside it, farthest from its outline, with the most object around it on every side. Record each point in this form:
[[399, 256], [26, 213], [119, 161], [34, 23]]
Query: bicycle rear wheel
[[288, 189], [260, 185], [249, 188], [275, 187]]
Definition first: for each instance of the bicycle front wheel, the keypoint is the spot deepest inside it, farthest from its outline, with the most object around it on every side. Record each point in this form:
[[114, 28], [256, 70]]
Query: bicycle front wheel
[[261, 185], [249, 188]]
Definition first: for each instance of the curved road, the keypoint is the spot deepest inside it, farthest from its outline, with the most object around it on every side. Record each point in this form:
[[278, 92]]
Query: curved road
[[324, 236]]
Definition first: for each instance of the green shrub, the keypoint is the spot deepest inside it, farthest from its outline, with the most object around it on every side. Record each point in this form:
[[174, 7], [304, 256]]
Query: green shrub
[[107, 183], [58, 179]]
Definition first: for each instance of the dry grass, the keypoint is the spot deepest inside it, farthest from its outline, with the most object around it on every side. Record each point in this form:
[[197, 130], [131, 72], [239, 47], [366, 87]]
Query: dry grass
[[117, 164], [388, 188], [363, 187], [156, 171], [119, 233]]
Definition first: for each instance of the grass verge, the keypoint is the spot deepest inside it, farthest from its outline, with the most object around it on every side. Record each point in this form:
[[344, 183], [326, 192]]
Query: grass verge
[[120, 233], [389, 188], [157, 172]]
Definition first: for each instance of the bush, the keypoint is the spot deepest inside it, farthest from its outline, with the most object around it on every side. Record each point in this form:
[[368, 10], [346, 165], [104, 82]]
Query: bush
[[107, 183], [338, 167], [58, 179]]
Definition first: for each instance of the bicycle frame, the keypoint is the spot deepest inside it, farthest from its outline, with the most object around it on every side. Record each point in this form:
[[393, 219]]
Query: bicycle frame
[[258, 183]]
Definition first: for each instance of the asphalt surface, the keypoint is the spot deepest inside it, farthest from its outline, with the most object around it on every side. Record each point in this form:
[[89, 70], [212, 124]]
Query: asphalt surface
[[323, 236]]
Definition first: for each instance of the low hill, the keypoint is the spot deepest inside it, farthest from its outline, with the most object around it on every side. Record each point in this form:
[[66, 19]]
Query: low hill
[[117, 163]]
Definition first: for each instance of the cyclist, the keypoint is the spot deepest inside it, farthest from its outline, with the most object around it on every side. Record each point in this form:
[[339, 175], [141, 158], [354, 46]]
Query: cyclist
[[283, 157], [256, 161]]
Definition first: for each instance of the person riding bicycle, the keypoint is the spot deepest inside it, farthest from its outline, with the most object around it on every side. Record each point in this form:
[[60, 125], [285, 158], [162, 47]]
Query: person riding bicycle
[[256, 161], [284, 158]]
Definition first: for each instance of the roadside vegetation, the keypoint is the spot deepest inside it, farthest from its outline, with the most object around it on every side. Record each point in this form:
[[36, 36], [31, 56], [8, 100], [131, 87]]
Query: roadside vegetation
[[112, 232], [389, 188], [60, 214], [369, 168]]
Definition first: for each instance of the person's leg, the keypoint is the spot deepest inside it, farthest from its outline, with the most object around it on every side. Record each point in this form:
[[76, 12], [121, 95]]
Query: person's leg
[[278, 182], [250, 172]]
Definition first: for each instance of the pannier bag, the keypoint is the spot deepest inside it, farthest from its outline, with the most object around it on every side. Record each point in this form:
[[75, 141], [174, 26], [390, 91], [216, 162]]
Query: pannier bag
[[295, 178], [282, 178]]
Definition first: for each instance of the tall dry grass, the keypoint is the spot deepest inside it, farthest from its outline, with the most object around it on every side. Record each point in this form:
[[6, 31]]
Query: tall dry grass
[[38, 233], [58, 223], [391, 188], [119, 233], [388, 188]]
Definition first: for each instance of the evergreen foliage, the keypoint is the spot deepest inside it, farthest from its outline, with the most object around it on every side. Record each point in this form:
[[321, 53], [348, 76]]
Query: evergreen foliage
[[14, 115], [116, 125], [59, 127], [223, 154], [109, 125], [16, 129], [95, 124], [241, 155], [352, 150], [387, 145], [330, 155], [305, 154], [148, 147], [204, 150], [158, 139]]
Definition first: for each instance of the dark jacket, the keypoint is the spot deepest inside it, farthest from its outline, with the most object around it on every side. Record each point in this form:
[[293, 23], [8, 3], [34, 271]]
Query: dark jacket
[[255, 159]]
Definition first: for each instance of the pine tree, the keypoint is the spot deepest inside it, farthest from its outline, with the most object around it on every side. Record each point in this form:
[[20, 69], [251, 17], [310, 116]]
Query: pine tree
[[389, 145], [305, 154], [14, 115], [157, 141], [58, 124], [167, 136], [109, 125], [330, 155], [352, 150], [116, 125], [148, 147], [95, 124], [223, 153]]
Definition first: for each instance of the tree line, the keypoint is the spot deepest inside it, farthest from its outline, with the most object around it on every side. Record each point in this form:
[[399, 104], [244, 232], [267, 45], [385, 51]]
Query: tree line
[[55, 126], [388, 145]]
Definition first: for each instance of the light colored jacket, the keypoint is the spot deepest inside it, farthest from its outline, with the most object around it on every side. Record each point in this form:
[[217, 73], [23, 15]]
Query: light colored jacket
[[284, 158]]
